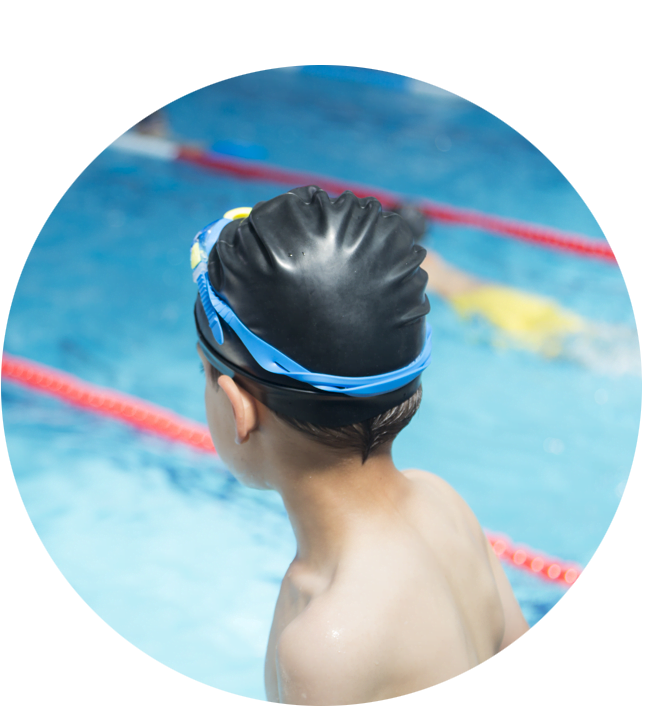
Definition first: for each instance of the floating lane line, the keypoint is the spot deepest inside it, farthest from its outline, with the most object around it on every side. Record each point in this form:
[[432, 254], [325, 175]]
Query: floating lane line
[[160, 421], [163, 149], [133, 411], [561, 572]]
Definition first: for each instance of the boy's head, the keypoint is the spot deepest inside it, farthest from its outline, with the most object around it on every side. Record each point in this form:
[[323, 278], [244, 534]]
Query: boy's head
[[316, 307]]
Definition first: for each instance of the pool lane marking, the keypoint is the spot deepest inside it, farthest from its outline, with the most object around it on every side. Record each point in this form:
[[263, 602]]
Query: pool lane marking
[[163, 149], [135, 412], [562, 572], [160, 421]]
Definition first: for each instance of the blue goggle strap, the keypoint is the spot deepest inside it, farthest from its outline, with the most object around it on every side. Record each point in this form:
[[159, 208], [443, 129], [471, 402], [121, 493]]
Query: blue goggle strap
[[203, 242], [272, 359]]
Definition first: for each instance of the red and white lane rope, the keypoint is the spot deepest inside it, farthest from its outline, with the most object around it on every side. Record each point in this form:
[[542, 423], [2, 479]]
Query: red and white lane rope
[[160, 421], [247, 169]]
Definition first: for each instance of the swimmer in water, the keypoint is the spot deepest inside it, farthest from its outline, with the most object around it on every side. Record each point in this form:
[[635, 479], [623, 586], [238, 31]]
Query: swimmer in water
[[155, 125], [158, 126], [311, 322], [526, 320]]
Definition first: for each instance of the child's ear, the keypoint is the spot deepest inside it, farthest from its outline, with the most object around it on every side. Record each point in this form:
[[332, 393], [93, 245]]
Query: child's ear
[[243, 406]]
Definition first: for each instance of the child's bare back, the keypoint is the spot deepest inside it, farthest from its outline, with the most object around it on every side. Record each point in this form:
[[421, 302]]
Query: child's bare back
[[418, 598]]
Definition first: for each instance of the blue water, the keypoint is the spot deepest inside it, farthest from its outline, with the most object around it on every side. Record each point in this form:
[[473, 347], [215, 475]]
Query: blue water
[[161, 541]]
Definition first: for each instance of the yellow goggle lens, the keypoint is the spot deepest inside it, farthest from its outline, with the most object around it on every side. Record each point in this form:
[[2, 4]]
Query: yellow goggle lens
[[238, 213], [195, 255]]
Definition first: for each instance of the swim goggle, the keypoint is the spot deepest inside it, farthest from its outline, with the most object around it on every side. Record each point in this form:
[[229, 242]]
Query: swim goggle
[[271, 359]]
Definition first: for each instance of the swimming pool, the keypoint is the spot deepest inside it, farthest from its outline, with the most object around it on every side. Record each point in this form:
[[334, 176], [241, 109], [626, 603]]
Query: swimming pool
[[160, 541]]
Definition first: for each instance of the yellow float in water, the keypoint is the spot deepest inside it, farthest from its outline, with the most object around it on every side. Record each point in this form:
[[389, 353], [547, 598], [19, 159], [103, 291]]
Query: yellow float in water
[[531, 321]]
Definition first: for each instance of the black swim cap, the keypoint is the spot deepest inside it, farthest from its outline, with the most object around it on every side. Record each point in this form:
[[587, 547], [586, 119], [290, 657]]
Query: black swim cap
[[334, 284]]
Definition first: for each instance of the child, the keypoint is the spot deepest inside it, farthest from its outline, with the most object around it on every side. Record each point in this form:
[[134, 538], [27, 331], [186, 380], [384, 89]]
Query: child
[[156, 125], [394, 587], [526, 320]]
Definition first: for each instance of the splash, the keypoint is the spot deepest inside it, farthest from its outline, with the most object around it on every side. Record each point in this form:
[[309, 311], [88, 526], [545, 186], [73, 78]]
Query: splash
[[522, 320], [610, 349]]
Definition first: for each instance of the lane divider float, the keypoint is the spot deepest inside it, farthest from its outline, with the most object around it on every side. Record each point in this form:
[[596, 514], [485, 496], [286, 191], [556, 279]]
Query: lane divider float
[[566, 573], [160, 421], [163, 149], [107, 402]]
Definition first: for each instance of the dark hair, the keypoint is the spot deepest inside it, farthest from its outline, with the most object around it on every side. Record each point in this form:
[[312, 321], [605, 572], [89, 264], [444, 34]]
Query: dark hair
[[214, 375], [364, 437]]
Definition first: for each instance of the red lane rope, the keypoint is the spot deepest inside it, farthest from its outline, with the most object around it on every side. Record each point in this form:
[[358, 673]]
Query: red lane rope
[[248, 169], [160, 421], [563, 572], [133, 411], [541, 235]]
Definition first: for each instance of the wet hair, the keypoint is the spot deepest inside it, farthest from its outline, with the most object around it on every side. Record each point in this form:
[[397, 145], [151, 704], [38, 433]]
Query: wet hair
[[213, 374], [363, 438], [366, 437]]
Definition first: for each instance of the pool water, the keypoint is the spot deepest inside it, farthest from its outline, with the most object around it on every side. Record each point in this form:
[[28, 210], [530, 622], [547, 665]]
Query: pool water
[[160, 540]]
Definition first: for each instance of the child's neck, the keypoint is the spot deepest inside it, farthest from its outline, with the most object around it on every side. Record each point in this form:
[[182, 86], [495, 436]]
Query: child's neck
[[330, 505]]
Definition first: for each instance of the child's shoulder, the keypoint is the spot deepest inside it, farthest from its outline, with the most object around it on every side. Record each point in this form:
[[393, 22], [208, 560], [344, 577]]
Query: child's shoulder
[[325, 656], [432, 489], [362, 628], [429, 479], [430, 483]]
